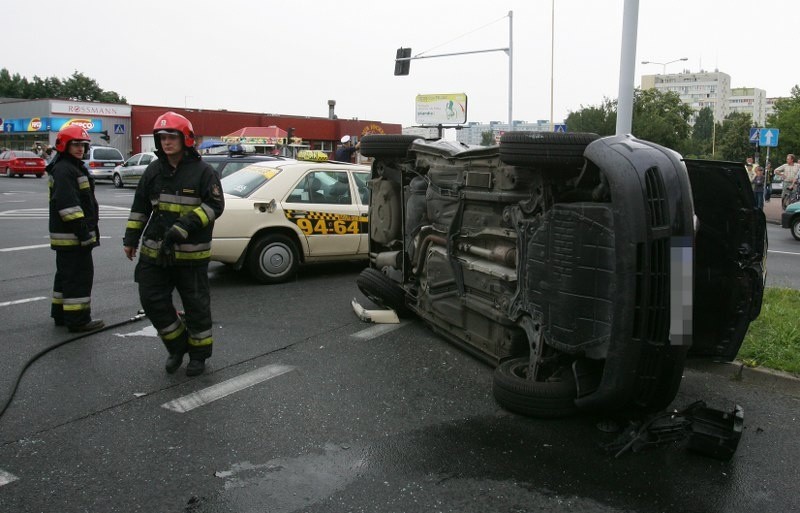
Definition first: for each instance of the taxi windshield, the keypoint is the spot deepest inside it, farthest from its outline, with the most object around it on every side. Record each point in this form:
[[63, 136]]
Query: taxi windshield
[[243, 182]]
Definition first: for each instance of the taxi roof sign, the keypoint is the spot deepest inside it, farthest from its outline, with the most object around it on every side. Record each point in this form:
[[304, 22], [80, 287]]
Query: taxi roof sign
[[312, 155]]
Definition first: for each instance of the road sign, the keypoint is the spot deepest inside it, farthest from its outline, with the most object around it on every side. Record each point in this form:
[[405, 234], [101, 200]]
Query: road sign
[[754, 133], [769, 137], [119, 128], [560, 128]]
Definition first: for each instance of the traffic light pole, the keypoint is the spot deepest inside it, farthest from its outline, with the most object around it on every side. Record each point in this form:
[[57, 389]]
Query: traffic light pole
[[399, 69]]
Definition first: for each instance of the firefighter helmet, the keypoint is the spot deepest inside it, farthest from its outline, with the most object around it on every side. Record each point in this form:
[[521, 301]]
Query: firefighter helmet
[[173, 123], [71, 133]]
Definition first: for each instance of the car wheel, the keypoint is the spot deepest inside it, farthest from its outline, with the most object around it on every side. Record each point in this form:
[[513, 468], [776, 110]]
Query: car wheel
[[39, 176], [548, 399], [8, 172], [664, 372], [382, 291], [796, 228], [387, 146], [118, 181], [273, 259], [545, 150]]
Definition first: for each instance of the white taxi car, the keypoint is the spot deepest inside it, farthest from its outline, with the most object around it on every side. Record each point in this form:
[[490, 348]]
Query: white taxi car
[[279, 214]]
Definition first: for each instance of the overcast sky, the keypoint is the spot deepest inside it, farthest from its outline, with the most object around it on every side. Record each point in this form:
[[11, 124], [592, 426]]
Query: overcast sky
[[292, 57]]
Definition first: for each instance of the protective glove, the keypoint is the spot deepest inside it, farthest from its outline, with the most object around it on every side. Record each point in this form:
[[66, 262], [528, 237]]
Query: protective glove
[[166, 252]]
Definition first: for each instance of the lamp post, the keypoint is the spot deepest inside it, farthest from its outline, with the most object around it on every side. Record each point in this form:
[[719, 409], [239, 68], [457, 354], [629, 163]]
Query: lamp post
[[664, 64]]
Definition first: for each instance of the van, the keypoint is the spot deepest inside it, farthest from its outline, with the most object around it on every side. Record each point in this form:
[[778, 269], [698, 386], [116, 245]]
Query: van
[[101, 161]]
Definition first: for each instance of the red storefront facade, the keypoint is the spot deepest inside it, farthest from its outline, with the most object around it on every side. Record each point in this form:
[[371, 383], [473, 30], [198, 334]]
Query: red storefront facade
[[319, 133]]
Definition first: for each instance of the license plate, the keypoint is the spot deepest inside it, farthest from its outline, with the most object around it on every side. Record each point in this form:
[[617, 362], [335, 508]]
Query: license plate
[[109, 164], [30, 163]]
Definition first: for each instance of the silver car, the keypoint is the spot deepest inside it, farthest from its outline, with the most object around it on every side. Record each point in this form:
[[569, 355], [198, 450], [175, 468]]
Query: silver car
[[101, 161], [132, 169]]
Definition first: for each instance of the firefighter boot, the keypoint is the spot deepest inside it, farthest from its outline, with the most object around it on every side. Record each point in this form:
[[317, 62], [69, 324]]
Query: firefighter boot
[[195, 367], [175, 358]]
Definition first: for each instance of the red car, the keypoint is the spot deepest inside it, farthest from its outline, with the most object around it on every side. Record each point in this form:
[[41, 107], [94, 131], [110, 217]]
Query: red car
[[19, 162]]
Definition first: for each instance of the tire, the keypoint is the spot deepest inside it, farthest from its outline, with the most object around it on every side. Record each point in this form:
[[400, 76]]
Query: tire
[[118, 181], [8, 172], [796, 228], [667, 379], [386, 146], [382, 291], [273, 259], [545, 399], [544, 149], [39, 176]]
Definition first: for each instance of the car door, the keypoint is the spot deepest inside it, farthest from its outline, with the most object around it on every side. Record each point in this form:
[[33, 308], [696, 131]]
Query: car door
[[126, 170], [138, 171], [730, 257], [360, 180], [329, 219]]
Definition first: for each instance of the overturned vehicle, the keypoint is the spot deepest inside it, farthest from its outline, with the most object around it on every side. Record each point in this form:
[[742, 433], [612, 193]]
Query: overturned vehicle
[[585, 269]]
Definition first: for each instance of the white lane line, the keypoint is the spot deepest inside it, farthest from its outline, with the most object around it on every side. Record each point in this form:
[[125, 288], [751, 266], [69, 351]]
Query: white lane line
[[220, 390], [21, 301], [6, 477], [782, 252], [376, 331], [20, 248]]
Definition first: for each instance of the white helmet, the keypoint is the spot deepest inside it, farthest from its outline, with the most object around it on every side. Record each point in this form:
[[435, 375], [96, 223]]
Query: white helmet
[[345, 139]]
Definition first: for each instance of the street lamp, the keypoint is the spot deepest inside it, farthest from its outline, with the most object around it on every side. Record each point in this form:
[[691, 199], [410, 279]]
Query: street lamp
[[664, 64]]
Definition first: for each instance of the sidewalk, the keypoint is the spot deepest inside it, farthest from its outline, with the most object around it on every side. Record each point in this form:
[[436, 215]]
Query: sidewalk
[[773, 210]]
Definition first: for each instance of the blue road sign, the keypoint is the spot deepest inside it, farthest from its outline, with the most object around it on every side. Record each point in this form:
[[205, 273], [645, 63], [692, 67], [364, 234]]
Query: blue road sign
[[560, 128], [119, 128], [769, 137], [754, 133]]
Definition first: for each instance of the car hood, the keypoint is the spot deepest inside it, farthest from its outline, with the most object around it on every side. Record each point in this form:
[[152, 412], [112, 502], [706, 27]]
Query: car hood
[[730, 257]]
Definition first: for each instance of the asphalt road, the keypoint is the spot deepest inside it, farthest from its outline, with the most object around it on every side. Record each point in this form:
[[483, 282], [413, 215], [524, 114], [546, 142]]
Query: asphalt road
[[306, 408]]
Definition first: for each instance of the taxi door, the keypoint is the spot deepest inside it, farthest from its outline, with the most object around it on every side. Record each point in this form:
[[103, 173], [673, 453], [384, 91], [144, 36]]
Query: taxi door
[[325, 210]]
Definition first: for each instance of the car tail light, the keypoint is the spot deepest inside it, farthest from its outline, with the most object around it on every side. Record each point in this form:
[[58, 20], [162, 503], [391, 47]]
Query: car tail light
[[95, 164]]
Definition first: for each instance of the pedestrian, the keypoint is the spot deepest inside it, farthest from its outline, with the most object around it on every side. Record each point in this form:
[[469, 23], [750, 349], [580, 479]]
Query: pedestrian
[[758, 186], [768, 175], [73, 231], [344, 152], [176, 202], [750, 167], [788, 173]]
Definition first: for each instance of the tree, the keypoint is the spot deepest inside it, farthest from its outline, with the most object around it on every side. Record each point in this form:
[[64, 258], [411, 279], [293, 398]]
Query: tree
[[703, 132], [487, 138], [601, 119], [787, 120], [661, 117], [78, 87], [733, 137]]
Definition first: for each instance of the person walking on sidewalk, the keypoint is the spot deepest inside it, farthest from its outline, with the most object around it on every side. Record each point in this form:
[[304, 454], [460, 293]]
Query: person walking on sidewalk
[[73, 231], [758, 186], [176, 202], [788, 173]]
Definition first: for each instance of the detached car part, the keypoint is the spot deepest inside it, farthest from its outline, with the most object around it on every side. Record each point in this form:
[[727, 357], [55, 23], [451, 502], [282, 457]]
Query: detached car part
[[585, 269]]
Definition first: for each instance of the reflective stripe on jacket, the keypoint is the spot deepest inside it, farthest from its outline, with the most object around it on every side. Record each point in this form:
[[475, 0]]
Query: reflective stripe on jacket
[[74, 211]]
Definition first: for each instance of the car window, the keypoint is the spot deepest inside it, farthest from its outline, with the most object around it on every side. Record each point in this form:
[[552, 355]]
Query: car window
[[248, 179], [106, 154], [131, 161], [4, 155], [361, 185], [232, 167], [330, 187], [25, 154], [146, 159]]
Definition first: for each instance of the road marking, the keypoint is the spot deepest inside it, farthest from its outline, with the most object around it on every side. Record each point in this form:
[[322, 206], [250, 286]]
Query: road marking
[[782, 252], [20, 248], [6, 477], [147, 331], [220, 390], [106, 212], [21, 301], [376, 331]]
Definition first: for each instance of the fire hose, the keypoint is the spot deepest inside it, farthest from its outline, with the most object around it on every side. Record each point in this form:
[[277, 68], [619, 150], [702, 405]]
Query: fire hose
[[139, 316]]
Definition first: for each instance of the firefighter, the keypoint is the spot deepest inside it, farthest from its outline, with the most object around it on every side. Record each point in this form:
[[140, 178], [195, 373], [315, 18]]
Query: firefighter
[[73, 231], [176, 202]]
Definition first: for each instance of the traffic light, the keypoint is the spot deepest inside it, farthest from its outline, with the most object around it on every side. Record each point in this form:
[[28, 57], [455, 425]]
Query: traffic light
[[402, 67], [105, 136]]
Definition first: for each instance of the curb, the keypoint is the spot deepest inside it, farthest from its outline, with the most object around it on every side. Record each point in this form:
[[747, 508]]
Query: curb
[[738, 371]]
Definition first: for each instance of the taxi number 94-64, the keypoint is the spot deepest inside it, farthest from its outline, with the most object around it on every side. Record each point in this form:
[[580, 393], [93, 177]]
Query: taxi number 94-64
[[311, 223]]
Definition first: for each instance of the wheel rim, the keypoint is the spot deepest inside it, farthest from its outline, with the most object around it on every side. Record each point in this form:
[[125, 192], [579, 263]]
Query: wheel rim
[[276, 260], [117, 181]]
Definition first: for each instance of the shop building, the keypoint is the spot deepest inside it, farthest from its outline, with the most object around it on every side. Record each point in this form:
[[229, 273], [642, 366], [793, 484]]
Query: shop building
[[129, 128]]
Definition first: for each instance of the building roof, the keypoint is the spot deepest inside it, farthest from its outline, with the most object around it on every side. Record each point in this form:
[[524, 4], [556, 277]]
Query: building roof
[[261, 132]]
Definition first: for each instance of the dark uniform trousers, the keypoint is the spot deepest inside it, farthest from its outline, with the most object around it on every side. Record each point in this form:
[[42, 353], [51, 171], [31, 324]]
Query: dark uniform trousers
[[156, 283], [72, 287]]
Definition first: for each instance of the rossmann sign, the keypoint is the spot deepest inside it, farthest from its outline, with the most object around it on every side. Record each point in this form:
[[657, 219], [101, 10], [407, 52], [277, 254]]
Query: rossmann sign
[[91, 109]]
